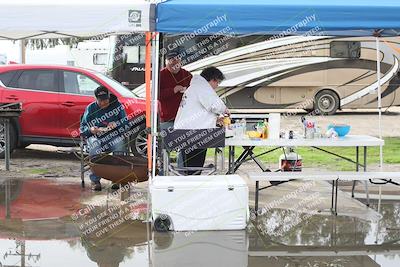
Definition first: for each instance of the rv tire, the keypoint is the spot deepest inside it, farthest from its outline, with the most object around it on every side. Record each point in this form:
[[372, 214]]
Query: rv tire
[[326, 102]]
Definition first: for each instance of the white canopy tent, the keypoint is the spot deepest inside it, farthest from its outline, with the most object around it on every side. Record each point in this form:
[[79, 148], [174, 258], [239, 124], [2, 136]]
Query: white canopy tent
[[34, 19], [28, 19]]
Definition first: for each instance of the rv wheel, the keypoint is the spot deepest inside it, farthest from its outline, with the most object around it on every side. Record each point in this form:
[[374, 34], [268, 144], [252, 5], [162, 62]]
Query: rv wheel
[[162, 223], [326, 102]]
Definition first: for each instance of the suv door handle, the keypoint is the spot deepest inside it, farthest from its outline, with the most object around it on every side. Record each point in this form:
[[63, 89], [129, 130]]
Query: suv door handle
[[68, 104], [12, 97]]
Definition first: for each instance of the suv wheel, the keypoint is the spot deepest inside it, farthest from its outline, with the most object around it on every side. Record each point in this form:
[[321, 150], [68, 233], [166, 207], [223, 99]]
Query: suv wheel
[[138, 141], [13, 139]]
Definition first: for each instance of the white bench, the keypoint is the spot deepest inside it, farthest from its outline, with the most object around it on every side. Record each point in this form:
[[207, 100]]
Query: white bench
[[325, 176]]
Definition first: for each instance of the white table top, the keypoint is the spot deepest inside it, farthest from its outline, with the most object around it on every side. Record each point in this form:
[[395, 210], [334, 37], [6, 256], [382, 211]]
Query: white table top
[[347, 141], [320, 176]]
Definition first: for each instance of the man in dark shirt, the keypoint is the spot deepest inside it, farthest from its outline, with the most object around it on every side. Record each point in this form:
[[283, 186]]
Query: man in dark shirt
[[102, 124], [173, 82]]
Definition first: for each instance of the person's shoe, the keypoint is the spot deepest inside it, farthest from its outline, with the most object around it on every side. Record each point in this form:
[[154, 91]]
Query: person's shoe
[[96, 186], [115, 186]]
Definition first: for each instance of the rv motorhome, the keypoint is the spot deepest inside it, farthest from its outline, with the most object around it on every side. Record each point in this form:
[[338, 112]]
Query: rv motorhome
[[305, 72]]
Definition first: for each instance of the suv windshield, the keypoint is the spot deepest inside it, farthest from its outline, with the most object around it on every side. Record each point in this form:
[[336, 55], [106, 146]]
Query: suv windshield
[[117, 86]]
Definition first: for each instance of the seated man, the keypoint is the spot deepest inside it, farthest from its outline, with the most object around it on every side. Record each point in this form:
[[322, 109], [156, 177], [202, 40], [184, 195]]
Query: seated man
[[199, 109], [102, 124]]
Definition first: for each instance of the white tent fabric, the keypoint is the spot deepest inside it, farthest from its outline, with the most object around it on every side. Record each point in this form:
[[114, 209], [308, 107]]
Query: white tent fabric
[[27, 19]]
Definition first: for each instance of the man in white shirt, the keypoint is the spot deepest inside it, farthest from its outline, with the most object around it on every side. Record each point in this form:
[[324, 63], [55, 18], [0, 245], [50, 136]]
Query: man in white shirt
[[199, 109]]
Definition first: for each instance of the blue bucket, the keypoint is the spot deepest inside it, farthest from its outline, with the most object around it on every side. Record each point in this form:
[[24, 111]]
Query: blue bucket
[[341, 129]]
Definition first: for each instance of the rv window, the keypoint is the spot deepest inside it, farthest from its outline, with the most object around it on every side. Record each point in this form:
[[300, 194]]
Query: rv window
[[342, 49], [133, 54], [142, 54], [100, 58]]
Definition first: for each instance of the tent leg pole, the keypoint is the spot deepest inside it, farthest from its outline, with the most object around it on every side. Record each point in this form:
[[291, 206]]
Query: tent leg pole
[[378, 73], [365, 169], [357, 169], [154, 115], [149, 141]]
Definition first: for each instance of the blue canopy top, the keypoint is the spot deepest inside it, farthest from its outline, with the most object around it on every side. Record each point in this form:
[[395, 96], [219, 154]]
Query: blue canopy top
[[287, 17]]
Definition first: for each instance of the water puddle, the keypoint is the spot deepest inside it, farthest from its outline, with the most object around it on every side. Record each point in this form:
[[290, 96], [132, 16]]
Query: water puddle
[[51, 222]]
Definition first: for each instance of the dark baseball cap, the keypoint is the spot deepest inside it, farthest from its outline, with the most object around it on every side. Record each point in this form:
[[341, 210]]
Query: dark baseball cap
[[102, 93], [173, 53]]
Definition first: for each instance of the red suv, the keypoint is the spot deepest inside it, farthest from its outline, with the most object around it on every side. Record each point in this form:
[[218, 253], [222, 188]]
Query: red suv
[[53, 100]]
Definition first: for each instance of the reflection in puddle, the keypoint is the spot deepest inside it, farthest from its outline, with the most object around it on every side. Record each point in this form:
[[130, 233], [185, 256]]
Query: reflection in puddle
[[51, 223], [44, 223], [290, 228], [206, 248], [325, 240]]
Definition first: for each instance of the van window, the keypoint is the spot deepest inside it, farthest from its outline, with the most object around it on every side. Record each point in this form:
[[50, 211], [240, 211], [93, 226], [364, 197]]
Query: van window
[[100, 58], [135, 54]]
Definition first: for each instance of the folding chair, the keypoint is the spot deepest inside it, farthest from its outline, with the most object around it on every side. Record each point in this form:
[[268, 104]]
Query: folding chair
[[184, 140]]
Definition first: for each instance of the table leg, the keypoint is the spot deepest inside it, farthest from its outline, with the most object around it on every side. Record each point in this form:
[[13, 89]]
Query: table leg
[[256, 198], [7, 151], [357, 169], [241, 158], [333, 194], [365, 169], [256, 160], [231, 160], [336, 196]]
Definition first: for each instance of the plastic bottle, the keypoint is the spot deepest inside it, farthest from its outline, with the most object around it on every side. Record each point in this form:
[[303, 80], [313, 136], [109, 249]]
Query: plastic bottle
[[243, 126], [264, 134]]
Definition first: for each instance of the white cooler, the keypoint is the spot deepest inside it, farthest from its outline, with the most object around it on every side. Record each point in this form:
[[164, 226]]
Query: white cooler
[[193, 203]]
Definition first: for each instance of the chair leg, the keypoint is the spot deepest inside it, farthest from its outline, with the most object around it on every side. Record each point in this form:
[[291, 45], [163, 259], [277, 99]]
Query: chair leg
[[352, 189], [367, 192], [82, 164]]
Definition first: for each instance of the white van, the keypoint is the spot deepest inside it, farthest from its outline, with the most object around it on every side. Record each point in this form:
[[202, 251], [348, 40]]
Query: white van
[[3, 59]]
